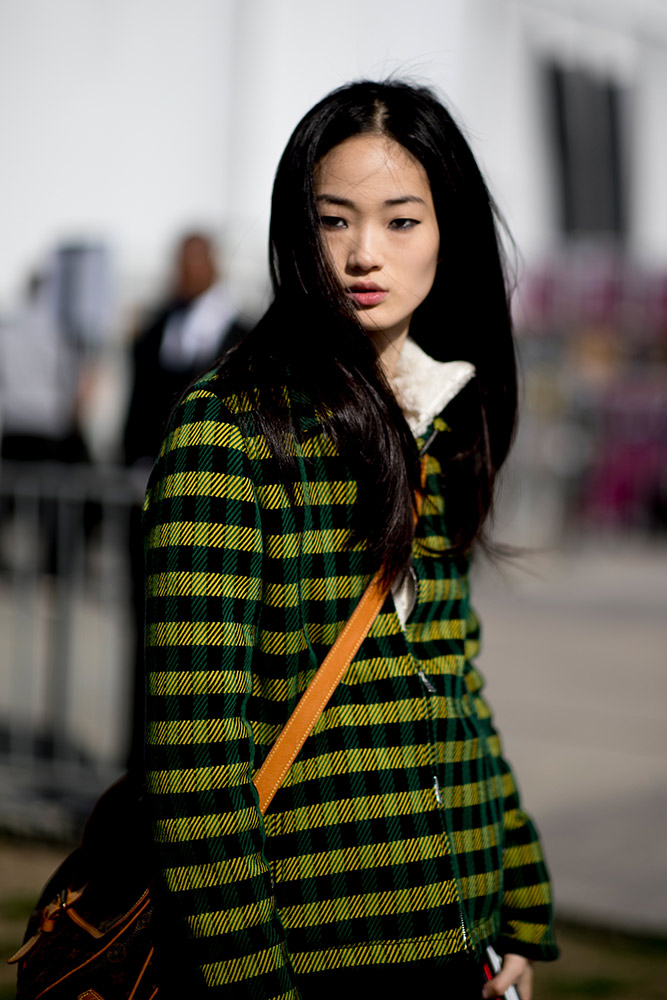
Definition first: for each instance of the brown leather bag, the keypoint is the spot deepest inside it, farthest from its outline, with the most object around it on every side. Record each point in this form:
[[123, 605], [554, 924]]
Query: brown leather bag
[[91, 935]]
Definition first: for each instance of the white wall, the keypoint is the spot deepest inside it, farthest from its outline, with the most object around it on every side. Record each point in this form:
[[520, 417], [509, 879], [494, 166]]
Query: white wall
[[130, 119], [649, 155], [113, 118]]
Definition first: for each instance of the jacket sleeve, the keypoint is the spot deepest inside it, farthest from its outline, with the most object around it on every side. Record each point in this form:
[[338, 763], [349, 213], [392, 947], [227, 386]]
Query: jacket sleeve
[[527, 911], [203, 543]]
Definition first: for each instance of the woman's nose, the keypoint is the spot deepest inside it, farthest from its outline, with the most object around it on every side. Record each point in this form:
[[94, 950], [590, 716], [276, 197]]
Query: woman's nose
[[364, 253]]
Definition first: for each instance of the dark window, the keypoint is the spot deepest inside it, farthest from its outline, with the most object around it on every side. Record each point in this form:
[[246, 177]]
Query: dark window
[[587, 114]]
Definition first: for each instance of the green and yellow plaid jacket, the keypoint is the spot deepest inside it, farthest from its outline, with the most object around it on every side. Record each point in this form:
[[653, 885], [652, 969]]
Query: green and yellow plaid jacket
[[398, 835]]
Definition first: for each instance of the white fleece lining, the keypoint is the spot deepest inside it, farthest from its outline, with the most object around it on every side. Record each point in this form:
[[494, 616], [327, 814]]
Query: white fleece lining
[[423, 388]]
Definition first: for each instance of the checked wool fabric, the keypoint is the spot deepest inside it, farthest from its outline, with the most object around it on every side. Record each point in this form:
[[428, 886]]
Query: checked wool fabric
[[398, 835]]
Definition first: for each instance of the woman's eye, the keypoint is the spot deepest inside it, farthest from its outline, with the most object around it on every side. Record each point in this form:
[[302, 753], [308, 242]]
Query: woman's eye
[[403, 223], [332, 222]]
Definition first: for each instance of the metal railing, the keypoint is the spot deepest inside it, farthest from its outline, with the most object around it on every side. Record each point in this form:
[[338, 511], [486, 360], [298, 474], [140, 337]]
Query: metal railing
[[66, 639]]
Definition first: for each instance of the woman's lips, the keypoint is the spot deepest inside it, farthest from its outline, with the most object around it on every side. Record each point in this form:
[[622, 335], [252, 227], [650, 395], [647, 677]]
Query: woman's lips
[[369, 295]]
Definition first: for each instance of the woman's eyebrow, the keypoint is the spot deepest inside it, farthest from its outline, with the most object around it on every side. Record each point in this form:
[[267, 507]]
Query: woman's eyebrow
[[404, 200], [335, 199]]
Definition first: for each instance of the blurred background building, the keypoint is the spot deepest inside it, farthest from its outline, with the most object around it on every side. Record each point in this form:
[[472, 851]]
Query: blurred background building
[[127, 125]]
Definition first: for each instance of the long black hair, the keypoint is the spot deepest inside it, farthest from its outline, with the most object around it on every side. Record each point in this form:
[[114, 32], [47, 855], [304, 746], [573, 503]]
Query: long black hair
[[311, 337]]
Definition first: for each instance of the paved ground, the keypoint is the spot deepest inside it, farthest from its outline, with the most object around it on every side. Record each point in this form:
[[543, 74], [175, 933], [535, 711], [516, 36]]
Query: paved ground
[[575, 659]]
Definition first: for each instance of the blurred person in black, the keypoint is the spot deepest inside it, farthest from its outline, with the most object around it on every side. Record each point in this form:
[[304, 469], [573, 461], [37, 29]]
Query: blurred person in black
[[180, 340]]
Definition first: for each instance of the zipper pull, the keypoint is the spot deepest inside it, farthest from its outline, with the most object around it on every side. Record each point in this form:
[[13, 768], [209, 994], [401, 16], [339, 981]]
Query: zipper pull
[[426, 682], [464, 932], [428, 442], [436, 788]]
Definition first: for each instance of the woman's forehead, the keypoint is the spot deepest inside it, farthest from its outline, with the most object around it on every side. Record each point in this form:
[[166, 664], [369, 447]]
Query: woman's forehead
[[371, 166]]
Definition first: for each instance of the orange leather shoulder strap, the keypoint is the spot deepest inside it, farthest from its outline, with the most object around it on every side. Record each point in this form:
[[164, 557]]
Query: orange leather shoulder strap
[[316, 697]]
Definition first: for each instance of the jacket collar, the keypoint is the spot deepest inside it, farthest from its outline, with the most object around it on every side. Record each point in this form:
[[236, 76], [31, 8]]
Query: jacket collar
[[425, 386]]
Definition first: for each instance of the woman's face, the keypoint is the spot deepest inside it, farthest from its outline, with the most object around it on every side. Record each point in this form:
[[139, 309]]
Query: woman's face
[[379, 224]]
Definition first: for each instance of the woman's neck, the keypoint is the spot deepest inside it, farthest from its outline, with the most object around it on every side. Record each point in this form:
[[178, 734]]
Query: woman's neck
[[389, 349]]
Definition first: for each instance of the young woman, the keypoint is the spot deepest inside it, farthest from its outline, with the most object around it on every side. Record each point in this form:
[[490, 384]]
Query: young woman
[[396, 849]]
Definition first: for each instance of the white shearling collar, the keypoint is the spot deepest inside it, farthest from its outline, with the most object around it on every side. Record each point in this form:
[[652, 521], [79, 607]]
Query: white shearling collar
[[424, 386]]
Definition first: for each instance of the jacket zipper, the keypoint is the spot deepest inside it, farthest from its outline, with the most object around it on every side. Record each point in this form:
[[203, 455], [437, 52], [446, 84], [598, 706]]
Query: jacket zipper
[[431, 690], [464, 932], [436, 784], [428, 442]]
